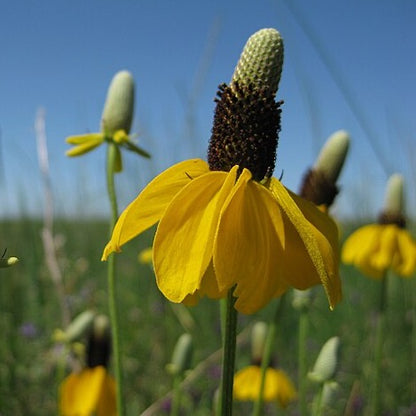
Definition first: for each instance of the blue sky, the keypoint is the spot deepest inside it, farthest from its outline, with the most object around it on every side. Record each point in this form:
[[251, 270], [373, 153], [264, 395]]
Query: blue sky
[[61, 56]]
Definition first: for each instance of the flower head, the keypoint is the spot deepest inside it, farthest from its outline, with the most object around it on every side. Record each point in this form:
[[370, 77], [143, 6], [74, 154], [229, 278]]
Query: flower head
[[91, 390], [116, 121], [277, 388], [228, 223], [375, 248], [320, 182]]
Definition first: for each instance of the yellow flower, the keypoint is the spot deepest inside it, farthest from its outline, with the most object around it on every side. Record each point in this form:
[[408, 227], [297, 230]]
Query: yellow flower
[[91, 391], [277, 387], [115, 121], [375, 248], [145, 256], [217, 230], [227, 223]]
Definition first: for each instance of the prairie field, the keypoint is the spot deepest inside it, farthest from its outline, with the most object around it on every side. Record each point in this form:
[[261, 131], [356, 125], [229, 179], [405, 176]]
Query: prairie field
[[31, 363]]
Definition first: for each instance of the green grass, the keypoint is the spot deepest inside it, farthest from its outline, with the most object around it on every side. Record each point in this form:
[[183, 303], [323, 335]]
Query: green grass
[[30, 311]]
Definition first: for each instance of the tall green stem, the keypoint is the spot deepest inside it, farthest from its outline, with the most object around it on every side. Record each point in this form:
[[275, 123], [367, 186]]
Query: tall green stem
[[112, 295], [376, 385], [228, 362], [303, 331], [267, 353]]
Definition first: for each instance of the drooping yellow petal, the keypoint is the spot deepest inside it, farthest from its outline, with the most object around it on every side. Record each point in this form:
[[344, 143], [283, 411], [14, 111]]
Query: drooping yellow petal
[[209, 284], [246, 245], [382, 259], [286, 391], [183, 243], [319, 235], [84, 138], [107, 403], [80, 392], [147, 209], [84, 143], [406, 264]]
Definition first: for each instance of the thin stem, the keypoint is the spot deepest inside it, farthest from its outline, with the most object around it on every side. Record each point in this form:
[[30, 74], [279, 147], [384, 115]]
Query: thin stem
[[177, 393], [303, 331], [376, 385], [111, 264], [228, 361], [317, 403], [267, 353]]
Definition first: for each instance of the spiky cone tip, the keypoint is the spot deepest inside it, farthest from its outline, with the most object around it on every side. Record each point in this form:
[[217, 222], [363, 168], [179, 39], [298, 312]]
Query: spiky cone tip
[[332, 156], [393, 208], [261, 61]]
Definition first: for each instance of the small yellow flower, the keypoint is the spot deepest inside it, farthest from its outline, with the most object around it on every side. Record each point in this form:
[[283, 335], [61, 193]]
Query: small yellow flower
[[145, 256], [227, 223], [277, 388], [115, 121], [91, 391], [376, 248]]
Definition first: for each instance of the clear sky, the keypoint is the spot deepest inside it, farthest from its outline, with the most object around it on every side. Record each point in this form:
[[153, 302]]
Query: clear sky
[[61, 56]]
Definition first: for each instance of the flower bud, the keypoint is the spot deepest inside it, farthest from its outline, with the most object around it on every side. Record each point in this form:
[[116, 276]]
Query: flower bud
[[182, 355], [258, 341], [302, 299], [119, 105], [79, 326], [7, 262], [326, 363]]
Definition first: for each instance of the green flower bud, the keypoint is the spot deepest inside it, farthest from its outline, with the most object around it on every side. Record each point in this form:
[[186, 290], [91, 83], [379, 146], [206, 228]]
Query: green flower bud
[[394, 195], [326, 363], [261, 61], [332, 157], [10, 261], [302, 299], [182, 355], [79, 326], [101, 327], [119, 105], [258, 341]]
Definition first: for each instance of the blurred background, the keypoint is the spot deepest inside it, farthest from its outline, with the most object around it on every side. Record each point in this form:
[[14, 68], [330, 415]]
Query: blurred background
[[348, 65]]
